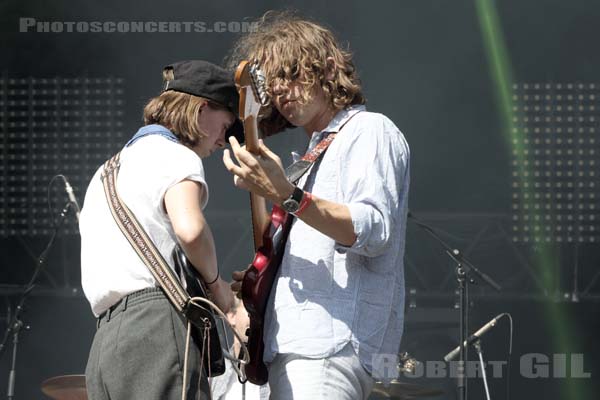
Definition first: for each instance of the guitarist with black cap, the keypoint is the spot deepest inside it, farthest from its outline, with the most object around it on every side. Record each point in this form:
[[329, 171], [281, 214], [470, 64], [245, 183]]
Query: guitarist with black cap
[[138, 351]]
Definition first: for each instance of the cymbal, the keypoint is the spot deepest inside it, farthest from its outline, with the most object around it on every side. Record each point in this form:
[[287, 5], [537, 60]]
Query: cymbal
[[67, 387], [402, 390]]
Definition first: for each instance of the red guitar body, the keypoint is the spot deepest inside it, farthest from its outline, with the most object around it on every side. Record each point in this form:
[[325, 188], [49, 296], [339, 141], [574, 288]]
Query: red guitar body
[[256, 290]]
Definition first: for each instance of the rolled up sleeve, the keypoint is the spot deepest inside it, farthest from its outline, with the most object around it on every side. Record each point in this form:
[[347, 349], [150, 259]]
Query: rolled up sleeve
[[373, 167]]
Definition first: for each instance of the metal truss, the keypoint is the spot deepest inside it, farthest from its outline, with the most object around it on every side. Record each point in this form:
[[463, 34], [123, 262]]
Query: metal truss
[[485, 240]]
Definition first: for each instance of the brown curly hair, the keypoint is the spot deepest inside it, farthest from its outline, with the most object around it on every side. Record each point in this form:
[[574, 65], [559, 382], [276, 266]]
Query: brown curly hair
[[290, 48]]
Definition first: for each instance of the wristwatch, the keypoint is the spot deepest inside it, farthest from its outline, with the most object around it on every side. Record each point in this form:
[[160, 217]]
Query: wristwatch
[[292, 203]]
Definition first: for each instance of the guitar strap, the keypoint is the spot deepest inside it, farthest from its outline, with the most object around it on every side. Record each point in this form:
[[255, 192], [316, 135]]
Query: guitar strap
[[294, 172], [146, 249], [280, 218], [297, 170]]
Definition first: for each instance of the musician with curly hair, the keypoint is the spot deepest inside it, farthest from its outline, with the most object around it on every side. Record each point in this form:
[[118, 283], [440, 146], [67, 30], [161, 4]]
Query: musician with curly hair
[[335, 313]]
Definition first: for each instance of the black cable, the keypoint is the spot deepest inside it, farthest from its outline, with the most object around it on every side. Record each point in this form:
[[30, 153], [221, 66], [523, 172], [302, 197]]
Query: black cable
[[50, 205], [31, 284], [40, 264]]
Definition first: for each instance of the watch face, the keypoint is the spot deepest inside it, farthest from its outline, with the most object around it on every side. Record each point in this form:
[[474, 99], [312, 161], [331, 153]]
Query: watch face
[[290, 206]]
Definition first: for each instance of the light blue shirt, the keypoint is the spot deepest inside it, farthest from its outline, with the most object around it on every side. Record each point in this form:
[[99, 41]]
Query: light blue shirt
[[326, 294]]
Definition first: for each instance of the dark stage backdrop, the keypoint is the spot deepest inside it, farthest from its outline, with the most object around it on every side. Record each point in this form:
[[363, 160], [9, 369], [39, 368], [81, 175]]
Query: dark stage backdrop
[[424, 64]]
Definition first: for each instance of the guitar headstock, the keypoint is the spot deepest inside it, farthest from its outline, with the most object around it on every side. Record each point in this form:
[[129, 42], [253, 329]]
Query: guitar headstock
[[251, 85], [259, 84], [251, 81]]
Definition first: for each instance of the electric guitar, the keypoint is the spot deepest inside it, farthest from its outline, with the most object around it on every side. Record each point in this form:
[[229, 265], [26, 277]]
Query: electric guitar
[[261, 275]]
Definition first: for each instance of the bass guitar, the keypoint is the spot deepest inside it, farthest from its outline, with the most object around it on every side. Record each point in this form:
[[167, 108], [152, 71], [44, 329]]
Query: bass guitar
[[261, 275]]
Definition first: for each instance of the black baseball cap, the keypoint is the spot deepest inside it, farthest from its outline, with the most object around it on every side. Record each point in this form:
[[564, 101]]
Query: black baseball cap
[[204, 79]]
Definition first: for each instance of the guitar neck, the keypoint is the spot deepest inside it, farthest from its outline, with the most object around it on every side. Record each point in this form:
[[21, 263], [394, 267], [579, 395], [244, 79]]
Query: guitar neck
[[258, 205], [251, 135], [249, 108]]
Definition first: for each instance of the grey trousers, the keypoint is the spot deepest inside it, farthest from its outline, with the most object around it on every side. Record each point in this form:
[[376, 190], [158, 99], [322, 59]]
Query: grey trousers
[[138, 352]]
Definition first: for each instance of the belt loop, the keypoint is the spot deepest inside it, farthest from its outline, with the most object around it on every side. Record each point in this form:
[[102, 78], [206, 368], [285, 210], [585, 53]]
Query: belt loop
[[125, 300]]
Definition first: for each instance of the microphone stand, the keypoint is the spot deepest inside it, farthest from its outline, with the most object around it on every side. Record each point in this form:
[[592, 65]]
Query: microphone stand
[[15, 325], [477, 345], [464, 272]]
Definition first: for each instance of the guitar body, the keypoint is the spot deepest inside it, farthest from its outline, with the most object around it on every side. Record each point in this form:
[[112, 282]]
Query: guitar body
[[214, 362], [256, 289]]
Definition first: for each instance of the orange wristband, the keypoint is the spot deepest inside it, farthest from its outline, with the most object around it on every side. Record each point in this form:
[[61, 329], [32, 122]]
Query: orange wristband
[[306, 200]]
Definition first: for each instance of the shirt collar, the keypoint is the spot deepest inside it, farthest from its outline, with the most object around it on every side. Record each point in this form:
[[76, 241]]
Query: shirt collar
[[335, 124], [153, 129], [341, 117]]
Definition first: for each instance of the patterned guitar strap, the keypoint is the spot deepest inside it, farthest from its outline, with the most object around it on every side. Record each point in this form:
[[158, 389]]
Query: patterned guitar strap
[[145, 248]]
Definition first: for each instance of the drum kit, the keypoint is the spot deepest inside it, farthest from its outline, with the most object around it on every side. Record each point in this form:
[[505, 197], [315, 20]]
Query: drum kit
[[67, 387], [72, 387]]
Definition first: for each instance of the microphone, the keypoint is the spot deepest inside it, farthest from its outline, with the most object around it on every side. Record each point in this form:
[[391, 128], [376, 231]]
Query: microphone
[[474, 337], [72, 198]]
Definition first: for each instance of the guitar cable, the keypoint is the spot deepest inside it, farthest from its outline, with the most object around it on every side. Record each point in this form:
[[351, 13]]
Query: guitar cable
[[206, 338]]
